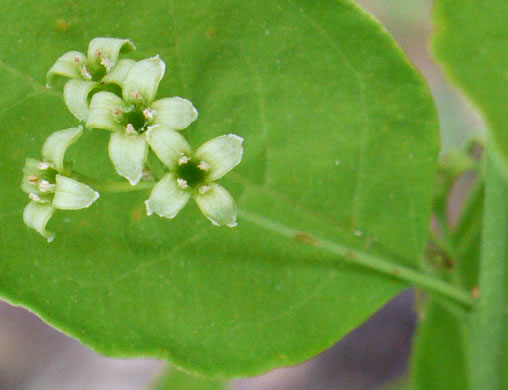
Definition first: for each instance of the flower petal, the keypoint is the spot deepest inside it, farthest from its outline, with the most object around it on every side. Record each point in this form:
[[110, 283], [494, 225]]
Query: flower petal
[[106, 50], [143, 80], [70, 194], [222, 154], [166, 199], [167, 144], [76, 97], [119, 73], [100, 114], [128, 154], [67, 66], [57, 143], [217, 205], [176, 113], [36, 216]]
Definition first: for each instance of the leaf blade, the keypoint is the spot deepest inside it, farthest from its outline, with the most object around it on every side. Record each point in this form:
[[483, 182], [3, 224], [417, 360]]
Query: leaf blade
[[136, 290]]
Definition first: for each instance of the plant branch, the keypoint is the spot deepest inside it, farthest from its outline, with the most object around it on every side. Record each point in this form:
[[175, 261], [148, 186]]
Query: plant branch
[[367, 260], [488, 317]]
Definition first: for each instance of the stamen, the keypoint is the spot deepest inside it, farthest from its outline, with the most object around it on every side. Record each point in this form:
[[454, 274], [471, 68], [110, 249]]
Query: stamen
[[46, 186], [33, 196], [98, 53], [182, 183], [135, 95], [204, 189], [117, 111], [203, 165], [106, 62], [183, 160], [44, 165], [33, 179], [148, 114], [85, 73], [77, 60], [130, 130]]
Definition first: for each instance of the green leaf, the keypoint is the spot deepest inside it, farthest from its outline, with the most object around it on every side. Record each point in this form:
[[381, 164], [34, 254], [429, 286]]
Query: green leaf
[[439, 355], [470, 42], [177, 380], [341, 139]]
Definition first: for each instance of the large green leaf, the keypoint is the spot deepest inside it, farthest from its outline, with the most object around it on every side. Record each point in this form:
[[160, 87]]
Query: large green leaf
[[340, 143], [470, 42]]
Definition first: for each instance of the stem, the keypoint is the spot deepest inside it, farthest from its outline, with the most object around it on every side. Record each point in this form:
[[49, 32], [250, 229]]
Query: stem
[[123, 186], [367, 260], [113, 186], [488, 318]]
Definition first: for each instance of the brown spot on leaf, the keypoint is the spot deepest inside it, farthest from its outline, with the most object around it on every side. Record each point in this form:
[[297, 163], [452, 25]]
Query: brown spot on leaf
[[85, 223], [211, 32], [63, 25], [305, 238], [137, 214]]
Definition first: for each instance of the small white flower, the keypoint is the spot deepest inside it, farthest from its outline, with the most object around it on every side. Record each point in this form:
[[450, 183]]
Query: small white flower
[[100, 66], [48, 185], [131, 116], [193, 175]]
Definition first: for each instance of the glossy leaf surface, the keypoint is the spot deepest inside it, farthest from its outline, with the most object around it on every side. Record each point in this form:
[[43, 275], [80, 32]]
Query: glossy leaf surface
[[340, 142]]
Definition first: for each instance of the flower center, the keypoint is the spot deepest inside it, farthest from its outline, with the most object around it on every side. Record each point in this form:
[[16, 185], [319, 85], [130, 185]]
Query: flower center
[[39, 181], [137, 119], [191, 172]]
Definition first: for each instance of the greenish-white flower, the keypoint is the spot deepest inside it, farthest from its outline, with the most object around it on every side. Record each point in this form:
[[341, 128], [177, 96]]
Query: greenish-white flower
[[85, 73], [49, 186], [130, 116], [193, 174]]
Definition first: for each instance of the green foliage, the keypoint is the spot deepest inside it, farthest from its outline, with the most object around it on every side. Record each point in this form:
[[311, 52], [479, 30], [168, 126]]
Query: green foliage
[[340, 143], [470, 42], [439, 354]]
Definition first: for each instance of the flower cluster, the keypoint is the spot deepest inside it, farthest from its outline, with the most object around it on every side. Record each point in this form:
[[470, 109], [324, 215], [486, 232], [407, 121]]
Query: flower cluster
[[119, 95]]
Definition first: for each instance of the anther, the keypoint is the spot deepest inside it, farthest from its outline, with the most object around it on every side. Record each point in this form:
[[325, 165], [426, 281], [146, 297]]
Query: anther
[[77, 60], [204, 189], [85, 73], [46, 186], [203, 165], [135, 95], [33, 196], [183, 160], [117, 111], [33, 179], [130, 130], [182, 183], [148, 114], [44, 165], [106, 62], [98, 53]]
